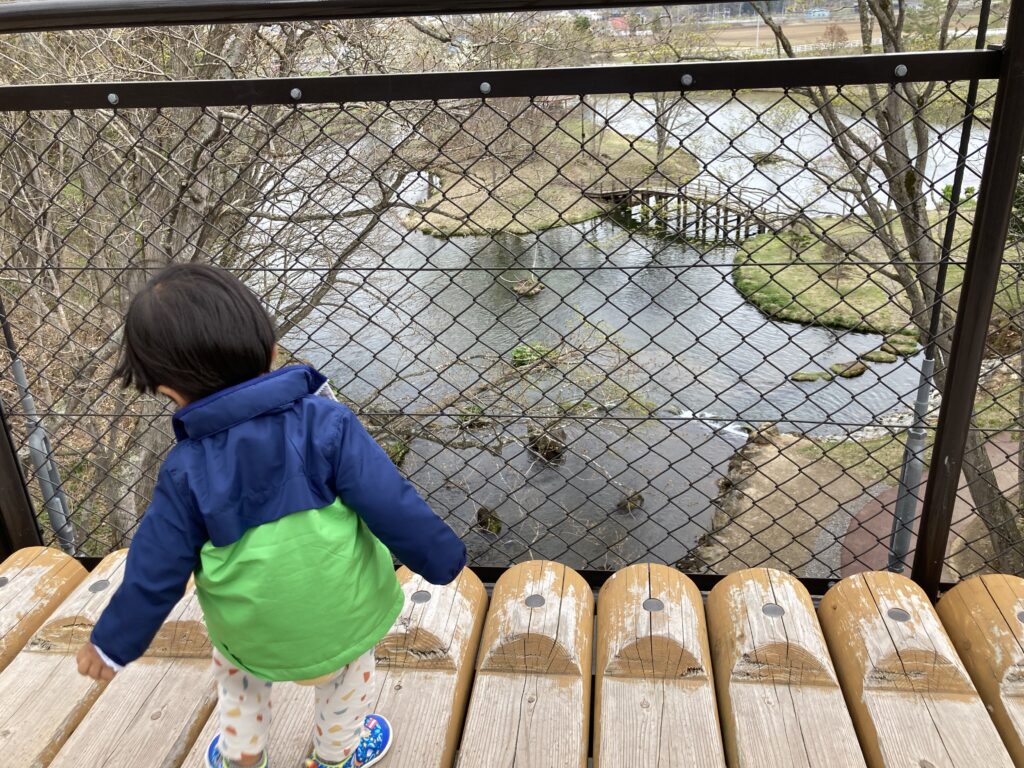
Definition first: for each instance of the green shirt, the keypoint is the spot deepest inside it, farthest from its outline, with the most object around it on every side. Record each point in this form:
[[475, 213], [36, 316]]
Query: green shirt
[[300, 597]]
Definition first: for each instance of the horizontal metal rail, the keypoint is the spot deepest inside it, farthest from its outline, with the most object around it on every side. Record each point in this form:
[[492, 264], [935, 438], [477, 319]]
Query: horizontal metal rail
[[46, 15], [523, 83]]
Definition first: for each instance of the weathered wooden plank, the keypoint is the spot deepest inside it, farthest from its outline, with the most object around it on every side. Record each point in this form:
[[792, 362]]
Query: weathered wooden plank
[[152, 712], [425, 665], [908, 692], [530, 701], [33, 582], [779, 699], [984, 618], [44, 698], [653, 673]]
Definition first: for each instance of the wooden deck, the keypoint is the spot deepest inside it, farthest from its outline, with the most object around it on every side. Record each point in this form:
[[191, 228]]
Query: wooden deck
[[535, 677]]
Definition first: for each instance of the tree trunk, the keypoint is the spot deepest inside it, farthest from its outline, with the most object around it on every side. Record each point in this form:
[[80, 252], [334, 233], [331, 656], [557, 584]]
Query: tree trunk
[[913, 255], [995, 510]]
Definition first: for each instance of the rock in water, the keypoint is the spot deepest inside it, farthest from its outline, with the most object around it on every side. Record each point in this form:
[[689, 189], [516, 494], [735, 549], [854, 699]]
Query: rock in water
[[488, 521], [849, 370], [800, 376], [630, 502], [531, 286], [879, 356], [548, 444]]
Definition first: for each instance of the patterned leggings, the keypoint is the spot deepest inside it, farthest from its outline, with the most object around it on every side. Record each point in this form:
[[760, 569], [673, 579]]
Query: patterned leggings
[[342, 703]]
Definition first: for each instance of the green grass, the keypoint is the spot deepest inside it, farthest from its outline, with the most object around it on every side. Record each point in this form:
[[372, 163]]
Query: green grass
[[581, 407], [870, 461], [999, 409], [792, 277], [396, 451], [782, 277], [530, 352], [879, 460], [470, 416]]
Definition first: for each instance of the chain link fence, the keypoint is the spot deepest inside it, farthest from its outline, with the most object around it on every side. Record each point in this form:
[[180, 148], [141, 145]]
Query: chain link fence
[[679, 326]]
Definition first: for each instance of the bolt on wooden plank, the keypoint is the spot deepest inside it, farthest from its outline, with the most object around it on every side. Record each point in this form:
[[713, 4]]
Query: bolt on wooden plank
[[531, 700], [654, 673], [425, 665], [909, 694], [778, 695], [152, 711]]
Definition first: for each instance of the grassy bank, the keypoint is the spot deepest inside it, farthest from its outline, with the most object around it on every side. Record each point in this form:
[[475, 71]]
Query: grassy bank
[[543, 190], [793, 276]]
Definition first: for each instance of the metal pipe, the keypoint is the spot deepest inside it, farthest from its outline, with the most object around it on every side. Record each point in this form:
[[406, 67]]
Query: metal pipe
[[913, 454], [981, 278], [39, 449], [910, 473], [48, 15]]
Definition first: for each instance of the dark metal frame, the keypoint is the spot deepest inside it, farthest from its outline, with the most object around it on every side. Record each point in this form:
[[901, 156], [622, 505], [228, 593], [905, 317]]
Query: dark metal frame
[[18, 526], [715, 76], [17, 521], [981, 278]]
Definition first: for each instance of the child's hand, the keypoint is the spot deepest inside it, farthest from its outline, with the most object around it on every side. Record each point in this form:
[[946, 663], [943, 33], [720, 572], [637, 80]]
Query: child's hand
[[91, 665]]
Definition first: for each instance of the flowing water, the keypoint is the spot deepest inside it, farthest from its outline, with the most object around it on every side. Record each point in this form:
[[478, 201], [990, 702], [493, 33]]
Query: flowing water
[[703, 364]]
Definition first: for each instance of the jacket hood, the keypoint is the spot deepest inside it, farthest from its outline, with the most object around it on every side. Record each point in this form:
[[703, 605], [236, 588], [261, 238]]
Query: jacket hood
[[246, 400]]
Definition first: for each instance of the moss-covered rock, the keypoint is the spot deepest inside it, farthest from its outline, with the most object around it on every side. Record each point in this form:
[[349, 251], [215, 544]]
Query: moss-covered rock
[[801, 376], [879, 356], [849, 370], [900, 344], [547, 443]]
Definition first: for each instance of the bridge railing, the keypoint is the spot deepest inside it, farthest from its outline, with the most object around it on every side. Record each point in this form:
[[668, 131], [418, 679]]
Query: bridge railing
[[837, 392]]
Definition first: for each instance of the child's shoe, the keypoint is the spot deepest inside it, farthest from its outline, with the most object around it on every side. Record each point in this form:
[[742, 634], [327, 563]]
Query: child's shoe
[[370, 751], [214, 759]]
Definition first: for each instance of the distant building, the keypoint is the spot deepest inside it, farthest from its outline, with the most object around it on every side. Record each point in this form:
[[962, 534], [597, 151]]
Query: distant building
[[818, 13]]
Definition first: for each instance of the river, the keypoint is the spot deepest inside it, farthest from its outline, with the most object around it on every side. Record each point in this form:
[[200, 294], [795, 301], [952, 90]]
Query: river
[[703, 362]]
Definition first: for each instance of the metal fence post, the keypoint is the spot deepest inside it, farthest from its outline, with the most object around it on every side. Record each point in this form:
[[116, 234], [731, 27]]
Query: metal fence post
[[981, 277], [914, 454], [18, 526]]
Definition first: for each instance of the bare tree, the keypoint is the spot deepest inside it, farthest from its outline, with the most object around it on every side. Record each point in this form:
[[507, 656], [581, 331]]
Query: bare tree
[[890, 149], [96, 201], [664, 39]]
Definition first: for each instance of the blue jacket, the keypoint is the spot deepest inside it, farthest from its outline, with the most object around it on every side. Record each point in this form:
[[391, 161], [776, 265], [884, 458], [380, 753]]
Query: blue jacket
[[251, 455]]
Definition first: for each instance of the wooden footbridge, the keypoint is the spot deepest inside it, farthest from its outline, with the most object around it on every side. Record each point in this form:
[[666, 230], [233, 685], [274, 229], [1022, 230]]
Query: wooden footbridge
[[534, 677], [703, 210]]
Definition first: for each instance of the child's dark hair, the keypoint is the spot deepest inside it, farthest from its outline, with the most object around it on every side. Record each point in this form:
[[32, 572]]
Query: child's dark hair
[[196, 329]]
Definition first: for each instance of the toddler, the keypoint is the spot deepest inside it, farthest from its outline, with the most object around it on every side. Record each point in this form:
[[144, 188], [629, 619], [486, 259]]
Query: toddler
[[283, 508]]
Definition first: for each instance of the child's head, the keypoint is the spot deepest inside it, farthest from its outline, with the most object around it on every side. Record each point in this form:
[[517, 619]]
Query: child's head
[[194, 329]]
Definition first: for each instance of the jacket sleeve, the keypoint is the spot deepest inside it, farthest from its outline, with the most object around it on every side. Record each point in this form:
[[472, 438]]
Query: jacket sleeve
[[161, 558], [370, 485]]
